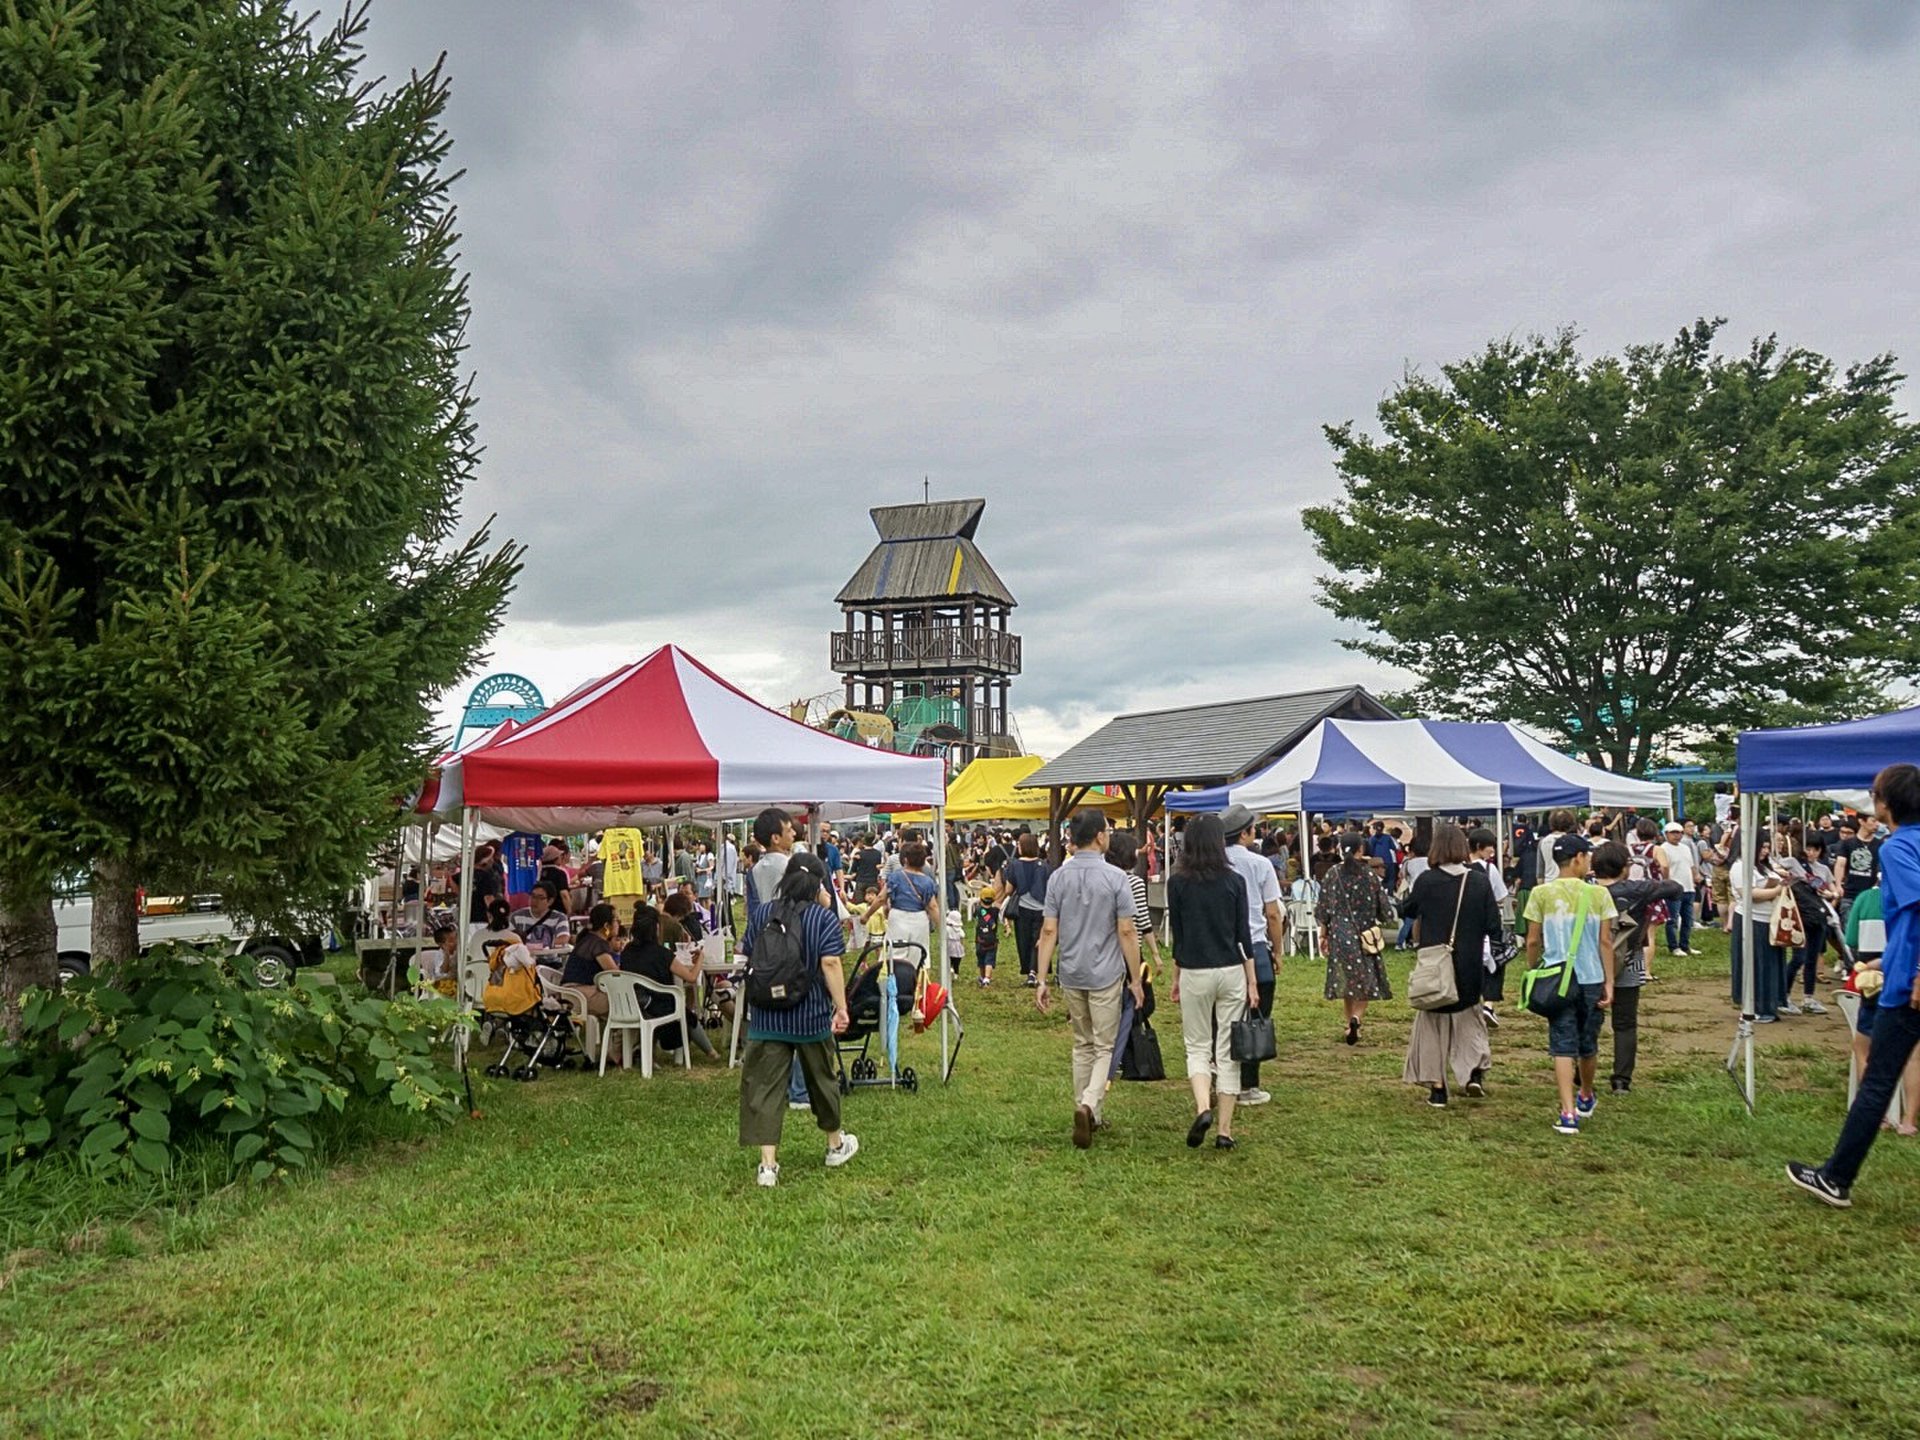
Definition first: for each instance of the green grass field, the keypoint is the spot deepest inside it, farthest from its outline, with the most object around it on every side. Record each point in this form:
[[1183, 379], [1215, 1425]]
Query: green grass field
[[592, 1257]]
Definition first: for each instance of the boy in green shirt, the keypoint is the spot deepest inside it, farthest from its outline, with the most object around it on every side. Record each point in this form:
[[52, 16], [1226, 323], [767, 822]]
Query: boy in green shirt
[[1571, 919]]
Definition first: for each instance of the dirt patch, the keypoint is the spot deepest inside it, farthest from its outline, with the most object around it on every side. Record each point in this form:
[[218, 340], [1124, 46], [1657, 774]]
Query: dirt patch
[[634, 1398], [1696, 1017]]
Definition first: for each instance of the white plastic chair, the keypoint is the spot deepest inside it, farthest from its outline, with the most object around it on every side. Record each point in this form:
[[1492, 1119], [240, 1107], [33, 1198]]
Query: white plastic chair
[[574, 1001], [625, 1016], [1850, 1007], [1303, 928]]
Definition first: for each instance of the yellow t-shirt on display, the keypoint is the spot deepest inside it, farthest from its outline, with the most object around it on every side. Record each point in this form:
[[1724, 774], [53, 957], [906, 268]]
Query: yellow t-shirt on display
[[620, 855]]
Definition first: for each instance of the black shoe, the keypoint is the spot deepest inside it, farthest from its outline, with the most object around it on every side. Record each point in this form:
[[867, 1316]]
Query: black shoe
[[1620, 1085], [1197, 1131], [1353, 1032], [1225, 1142], [1437, 1097], [1810, 1179], [1477, 1085]]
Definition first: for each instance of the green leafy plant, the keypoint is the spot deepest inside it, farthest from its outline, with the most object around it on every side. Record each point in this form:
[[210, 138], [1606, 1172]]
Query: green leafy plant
[[177, 1046]]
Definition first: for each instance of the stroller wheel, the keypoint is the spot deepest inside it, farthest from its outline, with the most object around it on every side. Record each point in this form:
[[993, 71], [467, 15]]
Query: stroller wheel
[[526, 1072], [846, 1085], [908, 1080], [496, 1071]]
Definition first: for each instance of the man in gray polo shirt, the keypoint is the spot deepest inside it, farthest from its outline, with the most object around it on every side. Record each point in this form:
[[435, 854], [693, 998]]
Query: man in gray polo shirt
[[1089, 920]]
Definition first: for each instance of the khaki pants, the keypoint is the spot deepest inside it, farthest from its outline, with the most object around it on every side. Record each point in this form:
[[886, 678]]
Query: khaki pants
[[1210, 1001], [764, 1066], [1095, 1017]]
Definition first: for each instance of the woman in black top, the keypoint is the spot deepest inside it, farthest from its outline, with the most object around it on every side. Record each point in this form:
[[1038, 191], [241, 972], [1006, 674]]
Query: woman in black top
[[1023, 895], [1452, 1041], [646, 955], [1213, 977], [592, 953]]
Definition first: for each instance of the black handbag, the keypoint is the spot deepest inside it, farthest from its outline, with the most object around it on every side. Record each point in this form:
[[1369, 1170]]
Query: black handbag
[[1251, 1038], [1141, 1059]]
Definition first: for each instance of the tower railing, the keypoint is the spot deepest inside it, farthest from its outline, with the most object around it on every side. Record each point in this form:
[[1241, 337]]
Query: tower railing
[[927, 647]]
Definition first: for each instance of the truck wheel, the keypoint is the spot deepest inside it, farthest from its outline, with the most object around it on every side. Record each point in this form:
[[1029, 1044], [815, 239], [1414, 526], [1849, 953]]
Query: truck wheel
[[72, 967], [273, 965]]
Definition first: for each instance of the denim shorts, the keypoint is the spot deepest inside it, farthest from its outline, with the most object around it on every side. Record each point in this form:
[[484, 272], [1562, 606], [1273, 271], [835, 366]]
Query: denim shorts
[[1575, 1031]]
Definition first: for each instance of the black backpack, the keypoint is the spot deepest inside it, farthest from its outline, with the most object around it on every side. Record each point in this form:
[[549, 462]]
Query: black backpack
[[779, 974]]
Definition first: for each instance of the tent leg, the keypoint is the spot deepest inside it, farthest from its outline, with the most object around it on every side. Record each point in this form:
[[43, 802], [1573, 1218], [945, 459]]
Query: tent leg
[[1742, 1051], [399, 864], [946, 961], [1500, 840], [467, 828]]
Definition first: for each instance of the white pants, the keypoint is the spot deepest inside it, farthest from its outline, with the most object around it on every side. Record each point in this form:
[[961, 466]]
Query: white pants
[[904, 926], [1210, 1001]]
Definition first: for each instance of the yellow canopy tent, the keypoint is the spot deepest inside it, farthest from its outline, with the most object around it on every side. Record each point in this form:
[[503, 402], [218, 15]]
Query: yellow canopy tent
[[985, 791]]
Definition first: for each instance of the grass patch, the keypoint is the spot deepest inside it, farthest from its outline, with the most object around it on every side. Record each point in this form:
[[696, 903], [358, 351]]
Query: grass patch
[[592, 1255]]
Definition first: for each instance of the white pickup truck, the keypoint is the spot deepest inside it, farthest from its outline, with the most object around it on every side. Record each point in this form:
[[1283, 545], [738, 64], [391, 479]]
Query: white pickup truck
[[197, 920]]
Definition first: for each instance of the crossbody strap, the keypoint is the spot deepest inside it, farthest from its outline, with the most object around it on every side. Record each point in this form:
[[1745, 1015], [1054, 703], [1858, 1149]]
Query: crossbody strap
[[1459, 900]]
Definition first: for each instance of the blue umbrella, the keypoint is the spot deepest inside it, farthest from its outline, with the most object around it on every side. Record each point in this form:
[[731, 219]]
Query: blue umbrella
[[890, 1016]]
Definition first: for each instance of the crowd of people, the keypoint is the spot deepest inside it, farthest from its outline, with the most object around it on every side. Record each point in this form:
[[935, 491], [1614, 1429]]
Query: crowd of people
[[1590, 899]]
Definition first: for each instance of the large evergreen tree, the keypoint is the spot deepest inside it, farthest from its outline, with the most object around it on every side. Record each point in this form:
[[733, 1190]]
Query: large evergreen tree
[[1672, 542], [234, 434]]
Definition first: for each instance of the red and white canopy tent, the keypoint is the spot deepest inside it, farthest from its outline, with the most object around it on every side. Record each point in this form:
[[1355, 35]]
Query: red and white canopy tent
[[666, 740]]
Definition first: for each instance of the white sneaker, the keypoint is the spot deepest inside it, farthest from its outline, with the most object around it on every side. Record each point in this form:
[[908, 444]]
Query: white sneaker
[[799, 1105], [838, 1155], [1255, 1096], [1789, 1008], [768, 1177], [1814, 1007]]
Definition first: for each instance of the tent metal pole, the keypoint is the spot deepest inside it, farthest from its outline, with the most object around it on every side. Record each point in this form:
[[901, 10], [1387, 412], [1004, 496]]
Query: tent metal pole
[[1500, 840], [1742, 1052], [467, 827], [399, 863], [946, 961]]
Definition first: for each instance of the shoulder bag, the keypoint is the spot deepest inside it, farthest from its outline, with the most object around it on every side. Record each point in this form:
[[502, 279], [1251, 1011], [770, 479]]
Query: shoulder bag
[[1548, 989], [1432, 985]]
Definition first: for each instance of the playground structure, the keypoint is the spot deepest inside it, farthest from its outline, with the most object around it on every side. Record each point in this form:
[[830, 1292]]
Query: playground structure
[[915, 723]]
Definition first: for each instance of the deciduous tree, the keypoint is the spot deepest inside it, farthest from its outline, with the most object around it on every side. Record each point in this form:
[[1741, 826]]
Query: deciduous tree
[[1632, 548]]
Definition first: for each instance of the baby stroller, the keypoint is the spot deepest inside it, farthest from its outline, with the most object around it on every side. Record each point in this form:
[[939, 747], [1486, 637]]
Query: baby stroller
[[542, 1034], [879, 996]]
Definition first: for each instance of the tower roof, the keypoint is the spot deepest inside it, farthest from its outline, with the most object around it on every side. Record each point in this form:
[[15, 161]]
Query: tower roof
[[926, 552]]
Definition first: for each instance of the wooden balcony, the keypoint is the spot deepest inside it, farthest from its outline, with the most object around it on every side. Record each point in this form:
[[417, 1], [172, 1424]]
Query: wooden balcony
[[926, 649]]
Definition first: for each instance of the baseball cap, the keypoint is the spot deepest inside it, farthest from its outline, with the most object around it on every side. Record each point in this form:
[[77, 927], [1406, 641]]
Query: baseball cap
[[1675, 825], [1565, 847]]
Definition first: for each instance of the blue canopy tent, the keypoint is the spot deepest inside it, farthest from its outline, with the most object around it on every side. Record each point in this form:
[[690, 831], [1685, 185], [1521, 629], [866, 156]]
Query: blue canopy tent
[[1422, 767], [1431, 767], [1843, 756], [1801, 760]]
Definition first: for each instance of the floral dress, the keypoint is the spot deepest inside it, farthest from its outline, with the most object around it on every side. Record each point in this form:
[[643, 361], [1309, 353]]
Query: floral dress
[[1352, 899]]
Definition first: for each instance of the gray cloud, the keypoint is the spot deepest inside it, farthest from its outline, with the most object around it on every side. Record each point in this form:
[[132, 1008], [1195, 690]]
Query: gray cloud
[[741, 272]]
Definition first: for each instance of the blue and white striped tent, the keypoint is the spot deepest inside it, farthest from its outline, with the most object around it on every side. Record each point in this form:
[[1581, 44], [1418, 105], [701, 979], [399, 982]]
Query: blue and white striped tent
[[1422, 767]]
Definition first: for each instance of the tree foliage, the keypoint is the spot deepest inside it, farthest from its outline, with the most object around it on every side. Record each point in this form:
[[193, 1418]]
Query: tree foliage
[[1632, 549], [234, 433]]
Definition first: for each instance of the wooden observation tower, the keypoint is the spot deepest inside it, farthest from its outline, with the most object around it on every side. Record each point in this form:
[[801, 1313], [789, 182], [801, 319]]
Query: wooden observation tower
[[925, 640]]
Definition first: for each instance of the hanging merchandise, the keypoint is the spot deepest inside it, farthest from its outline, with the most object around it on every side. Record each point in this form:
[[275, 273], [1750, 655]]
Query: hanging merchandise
[[520, 861]]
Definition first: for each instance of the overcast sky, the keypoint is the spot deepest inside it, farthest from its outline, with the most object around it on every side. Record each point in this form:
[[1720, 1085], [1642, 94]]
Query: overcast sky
[[740, 272]]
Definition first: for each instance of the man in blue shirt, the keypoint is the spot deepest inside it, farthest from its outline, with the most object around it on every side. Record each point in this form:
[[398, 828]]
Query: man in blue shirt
[[1896, 1028]]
